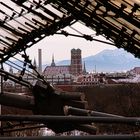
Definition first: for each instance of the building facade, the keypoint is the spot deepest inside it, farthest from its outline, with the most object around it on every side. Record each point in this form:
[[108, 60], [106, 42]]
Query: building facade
[[64, 73], [76, 62]]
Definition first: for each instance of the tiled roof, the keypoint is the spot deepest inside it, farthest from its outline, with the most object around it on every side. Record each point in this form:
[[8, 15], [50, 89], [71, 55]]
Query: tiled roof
[[55, 70], [137, 69]]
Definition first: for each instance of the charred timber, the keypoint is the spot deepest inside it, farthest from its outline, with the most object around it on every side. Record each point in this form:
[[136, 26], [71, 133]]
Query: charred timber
[[83, 112], [18, 101], [71, 95]]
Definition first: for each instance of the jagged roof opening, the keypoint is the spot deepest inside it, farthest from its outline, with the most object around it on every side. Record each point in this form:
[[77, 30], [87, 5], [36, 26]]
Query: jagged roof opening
[[24, 23]]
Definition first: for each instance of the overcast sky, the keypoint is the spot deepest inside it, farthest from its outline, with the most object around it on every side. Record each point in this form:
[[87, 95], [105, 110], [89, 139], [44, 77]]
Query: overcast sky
[[61, 46]]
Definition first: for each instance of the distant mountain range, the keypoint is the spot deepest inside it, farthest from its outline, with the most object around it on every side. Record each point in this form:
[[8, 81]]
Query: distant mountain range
[[108, 61], [105, 61]]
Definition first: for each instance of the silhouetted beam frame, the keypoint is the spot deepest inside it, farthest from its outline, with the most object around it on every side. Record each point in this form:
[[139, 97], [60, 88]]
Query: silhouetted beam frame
[[71, 119], [122, 14], [95, 137], [21, 45], [94, 21], [14, 78], [71, 95], [18, 101], [27, 102], [92, 39]]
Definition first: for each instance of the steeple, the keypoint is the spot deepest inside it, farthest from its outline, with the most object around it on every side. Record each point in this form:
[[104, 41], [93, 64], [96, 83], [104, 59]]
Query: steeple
[[53, 63], [84, 69], [35, 65], [76, 62], [11, 70]]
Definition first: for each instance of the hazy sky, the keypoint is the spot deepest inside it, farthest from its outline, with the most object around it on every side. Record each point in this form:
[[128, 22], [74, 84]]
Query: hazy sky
[[61, 46]]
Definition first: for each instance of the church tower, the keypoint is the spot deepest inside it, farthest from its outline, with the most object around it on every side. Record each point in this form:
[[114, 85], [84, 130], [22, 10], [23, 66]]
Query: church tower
[[53, 63], [76, 62]]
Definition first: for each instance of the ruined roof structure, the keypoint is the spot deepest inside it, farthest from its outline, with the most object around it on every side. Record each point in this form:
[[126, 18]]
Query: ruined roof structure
[[23, 23]]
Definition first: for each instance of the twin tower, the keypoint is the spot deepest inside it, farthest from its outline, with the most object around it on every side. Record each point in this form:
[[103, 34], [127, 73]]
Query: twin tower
[[76, 62], [75, 67]]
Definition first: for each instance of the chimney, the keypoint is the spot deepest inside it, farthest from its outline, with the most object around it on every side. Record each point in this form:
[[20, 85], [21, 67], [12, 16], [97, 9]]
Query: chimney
[[40, 61]]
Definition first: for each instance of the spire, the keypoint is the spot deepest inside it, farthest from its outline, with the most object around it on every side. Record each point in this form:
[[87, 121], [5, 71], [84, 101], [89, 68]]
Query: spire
[[53, 63], [84, 69], [11, 70], [35, 65]]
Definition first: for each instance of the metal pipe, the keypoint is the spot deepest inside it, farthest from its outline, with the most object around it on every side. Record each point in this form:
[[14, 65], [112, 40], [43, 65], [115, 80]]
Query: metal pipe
[[15, 100], [71, 119], [95, 137], [83, 112], [84, 36]]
